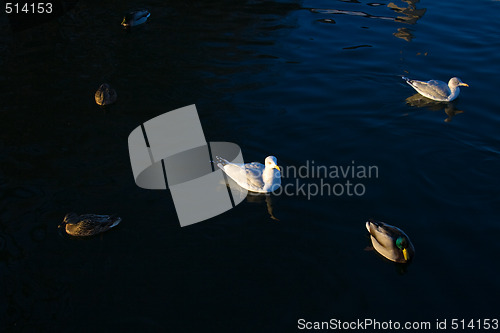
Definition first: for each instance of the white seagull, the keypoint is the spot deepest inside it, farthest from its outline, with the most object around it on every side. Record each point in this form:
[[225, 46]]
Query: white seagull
[[255, 176], [437, 90]]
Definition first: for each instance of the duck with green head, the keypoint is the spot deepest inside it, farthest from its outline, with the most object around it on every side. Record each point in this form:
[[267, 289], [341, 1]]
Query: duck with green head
[[390, 241]]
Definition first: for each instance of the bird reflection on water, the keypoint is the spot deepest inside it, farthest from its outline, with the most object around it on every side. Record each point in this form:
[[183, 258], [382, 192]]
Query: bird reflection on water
[[410, 15], [258, 198], [420, 101]]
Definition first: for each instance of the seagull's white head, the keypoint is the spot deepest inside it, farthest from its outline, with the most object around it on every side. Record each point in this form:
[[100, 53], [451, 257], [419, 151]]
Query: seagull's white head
[[455, 82], [272, 162]]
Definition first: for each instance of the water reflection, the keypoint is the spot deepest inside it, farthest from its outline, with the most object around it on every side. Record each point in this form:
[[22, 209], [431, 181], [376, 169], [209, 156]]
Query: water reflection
[[401, 269], [351, 13], [420, 101], [404, 33], [259, 198], [409, 15]]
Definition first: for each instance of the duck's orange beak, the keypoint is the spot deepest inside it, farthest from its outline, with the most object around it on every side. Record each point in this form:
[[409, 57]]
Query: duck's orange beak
[[405, 254]]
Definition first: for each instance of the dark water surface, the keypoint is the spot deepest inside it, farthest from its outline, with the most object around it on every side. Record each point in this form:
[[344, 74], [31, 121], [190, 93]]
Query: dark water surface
[[305, 81]]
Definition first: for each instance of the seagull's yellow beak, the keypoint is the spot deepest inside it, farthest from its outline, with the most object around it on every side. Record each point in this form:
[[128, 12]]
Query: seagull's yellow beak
[[277, 168], [464, 84], [405, 254]]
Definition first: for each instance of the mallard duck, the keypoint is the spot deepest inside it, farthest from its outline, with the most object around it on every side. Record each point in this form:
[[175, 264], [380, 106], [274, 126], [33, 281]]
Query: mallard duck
[[255, 177], [105, 95], [135, 17], [438, 90], [390, 241], [88, 224]]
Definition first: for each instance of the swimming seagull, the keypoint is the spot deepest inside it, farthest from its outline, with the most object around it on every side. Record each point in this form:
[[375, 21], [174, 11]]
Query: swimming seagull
[[255, 176], [438, 90], [88, 224]]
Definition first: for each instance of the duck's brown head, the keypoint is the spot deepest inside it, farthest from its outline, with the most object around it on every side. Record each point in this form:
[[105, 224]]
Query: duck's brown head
[[70, 218]]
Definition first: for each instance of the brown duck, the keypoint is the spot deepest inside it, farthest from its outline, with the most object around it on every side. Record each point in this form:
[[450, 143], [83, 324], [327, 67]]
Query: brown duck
[[88, 224]]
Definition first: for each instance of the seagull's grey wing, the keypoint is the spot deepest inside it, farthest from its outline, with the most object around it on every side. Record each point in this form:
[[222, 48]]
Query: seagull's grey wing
[[245, 175], [437, 90], [255, 166], [254, 173]]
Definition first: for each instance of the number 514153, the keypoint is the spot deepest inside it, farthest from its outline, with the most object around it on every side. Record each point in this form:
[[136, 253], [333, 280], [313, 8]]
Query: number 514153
[[479, 324], [32, 8]]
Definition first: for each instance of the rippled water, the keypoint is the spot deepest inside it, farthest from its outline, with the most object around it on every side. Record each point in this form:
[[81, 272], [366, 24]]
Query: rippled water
[[306, 81]]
